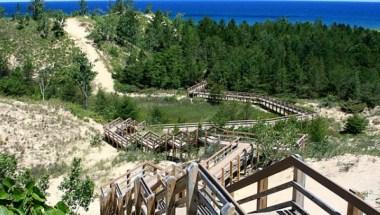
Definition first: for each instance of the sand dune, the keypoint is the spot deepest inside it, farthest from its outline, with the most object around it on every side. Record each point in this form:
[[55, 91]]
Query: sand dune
[[78, 32]]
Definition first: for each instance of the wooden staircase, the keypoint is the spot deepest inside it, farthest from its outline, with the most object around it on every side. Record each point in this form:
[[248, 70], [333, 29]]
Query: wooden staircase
[[191, 189]]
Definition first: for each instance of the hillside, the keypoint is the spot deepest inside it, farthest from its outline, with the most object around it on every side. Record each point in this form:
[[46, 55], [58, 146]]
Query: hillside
[[48, 136]]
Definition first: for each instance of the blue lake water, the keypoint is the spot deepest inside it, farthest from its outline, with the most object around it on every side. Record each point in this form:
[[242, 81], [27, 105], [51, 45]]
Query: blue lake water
[[363, 14]]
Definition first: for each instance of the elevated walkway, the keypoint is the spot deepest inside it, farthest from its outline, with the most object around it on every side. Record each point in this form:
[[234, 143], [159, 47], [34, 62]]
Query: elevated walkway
[[192, 189]]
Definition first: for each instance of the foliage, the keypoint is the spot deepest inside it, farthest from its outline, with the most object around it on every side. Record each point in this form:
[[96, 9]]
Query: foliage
[[355, 124], [2, 12], [318, 130], [353, 106], [19, 194], [58, 24], [37, 9], [27, 199], [274, 57], [111, 106], [127, 29], [83, 8], [8, 165], [83, 75], [96, 140], [78, 191]]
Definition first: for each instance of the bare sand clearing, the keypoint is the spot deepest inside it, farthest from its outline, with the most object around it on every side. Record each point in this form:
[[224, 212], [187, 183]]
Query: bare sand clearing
[[360, 173], [78, 32]]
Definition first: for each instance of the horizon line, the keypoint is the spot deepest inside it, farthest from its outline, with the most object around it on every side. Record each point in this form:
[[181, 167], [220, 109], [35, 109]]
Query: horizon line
[[356, 1]]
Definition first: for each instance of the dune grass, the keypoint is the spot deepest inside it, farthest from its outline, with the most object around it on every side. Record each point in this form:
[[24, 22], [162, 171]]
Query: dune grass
[[185, 110]]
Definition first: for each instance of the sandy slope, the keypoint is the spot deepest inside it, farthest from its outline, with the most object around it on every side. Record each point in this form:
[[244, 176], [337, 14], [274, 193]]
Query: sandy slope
[[78, 32], [43, 135]]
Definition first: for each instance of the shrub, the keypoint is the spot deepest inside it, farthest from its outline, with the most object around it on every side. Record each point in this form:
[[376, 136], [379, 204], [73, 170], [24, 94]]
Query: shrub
[[355, 124], [8, 165], [353, 106], [317, 130], [96, 140], [78, 190]]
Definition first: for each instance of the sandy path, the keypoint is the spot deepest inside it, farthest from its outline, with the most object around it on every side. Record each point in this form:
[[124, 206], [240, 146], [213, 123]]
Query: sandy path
[[78, 33]]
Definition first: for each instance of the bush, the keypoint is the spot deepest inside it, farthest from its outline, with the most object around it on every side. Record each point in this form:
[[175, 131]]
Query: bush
[[8, 165], [78, 190], [353, 106], [317, 130], [96, 140], [355, 124]]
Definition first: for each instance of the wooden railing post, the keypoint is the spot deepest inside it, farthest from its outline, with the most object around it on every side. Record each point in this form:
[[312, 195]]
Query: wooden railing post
[[238, 168], [262, 186], [137, 195], [299, 178], [170, 197], [222, 178], [351, 210], [191, 188]]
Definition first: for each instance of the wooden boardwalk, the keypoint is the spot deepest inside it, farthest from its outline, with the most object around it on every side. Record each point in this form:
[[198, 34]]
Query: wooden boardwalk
[[192, 189], [204, 187]]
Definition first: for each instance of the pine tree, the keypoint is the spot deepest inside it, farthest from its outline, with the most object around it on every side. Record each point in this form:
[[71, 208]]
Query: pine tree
[[37, 9], [83, 9]]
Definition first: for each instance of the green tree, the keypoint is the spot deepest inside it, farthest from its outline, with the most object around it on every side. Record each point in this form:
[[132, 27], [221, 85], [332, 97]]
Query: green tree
[[125, 108], [156, 116], [119, 7], [2, 12], [43, 26], [83, 75], [355, 124], [4, 70], [83, 8], [44, 79], [317, 130], [37, 9], [78, 190], [128, 28], [58, 24]]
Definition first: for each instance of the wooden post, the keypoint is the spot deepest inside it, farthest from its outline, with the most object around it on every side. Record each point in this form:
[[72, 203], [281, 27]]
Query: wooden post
[[170, 198], [191, 188], [231, 172], [238, 168], [262, 186], [137, 195], [223, 181], [128, 202], [299, 178], [351, 210], [150, 207], [205, 137]]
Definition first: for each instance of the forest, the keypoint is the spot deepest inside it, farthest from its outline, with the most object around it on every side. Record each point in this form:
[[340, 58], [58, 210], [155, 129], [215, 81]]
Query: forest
[[304, 60]]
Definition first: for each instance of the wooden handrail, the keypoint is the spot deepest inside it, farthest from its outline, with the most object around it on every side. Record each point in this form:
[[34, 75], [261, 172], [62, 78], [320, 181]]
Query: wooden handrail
[[293, 161]]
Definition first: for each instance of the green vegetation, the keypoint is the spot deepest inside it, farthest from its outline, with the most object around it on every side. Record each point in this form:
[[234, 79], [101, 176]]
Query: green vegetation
[[170, 110], [307, 60], [318, 130], [78, 191], [355, 124], [39, 62], [20, 194]]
